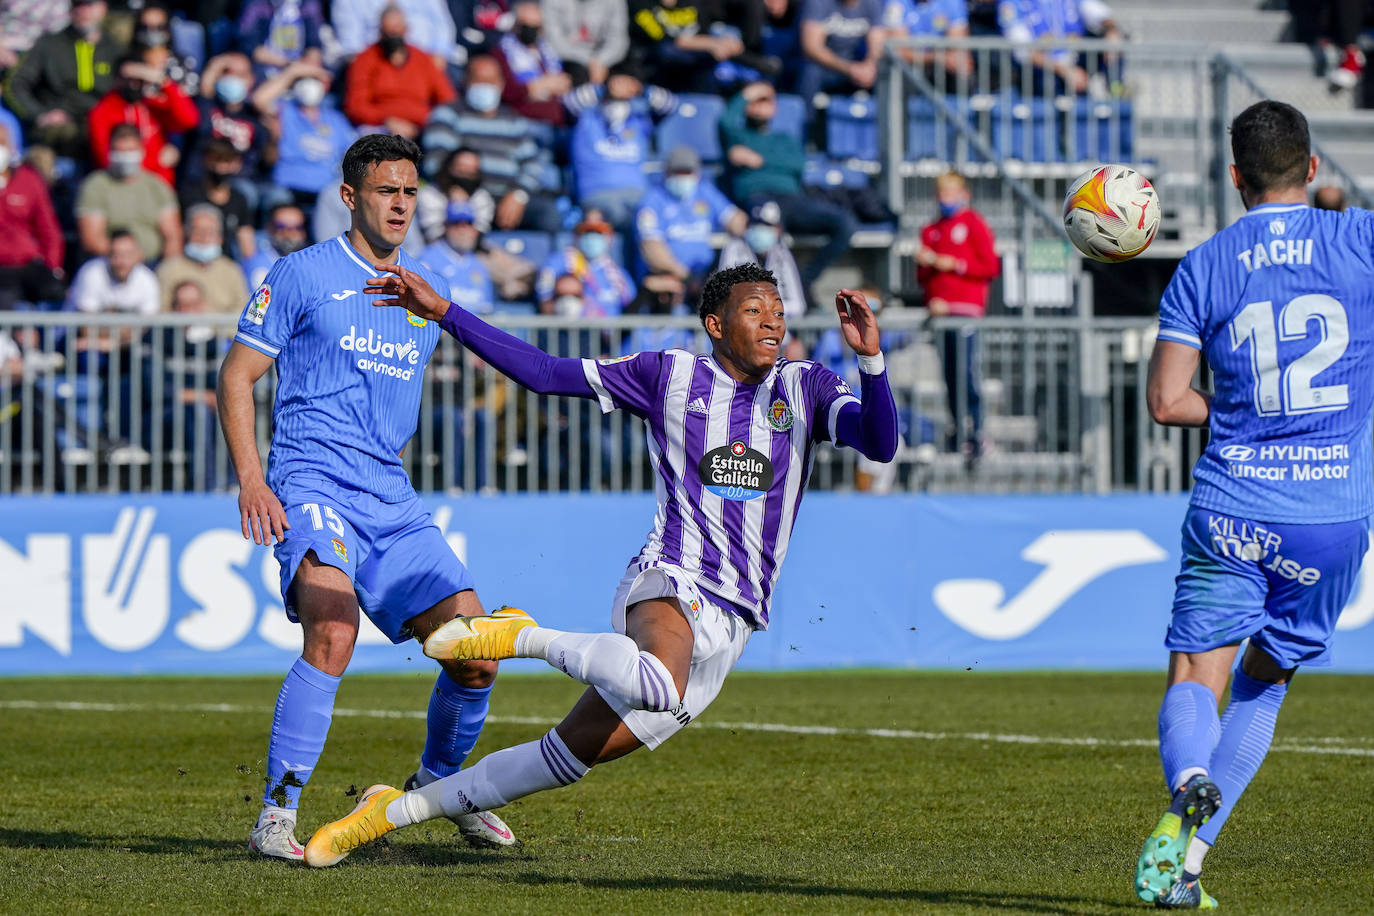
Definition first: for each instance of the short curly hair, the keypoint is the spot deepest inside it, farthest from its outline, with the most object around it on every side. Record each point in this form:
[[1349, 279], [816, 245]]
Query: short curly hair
[[718, 285]]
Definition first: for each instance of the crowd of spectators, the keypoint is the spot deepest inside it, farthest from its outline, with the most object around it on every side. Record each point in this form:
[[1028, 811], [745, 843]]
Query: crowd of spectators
[[161, 155], [209, 135]]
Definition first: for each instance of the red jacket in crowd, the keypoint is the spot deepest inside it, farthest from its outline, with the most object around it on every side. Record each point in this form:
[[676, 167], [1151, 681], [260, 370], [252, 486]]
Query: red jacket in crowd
[[969, 240], [157, 117], [28, 223], [378, 89]]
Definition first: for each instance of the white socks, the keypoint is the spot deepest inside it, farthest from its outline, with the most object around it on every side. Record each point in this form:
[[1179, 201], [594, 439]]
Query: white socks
[[495, 780], [607, 660], [1192, 863]]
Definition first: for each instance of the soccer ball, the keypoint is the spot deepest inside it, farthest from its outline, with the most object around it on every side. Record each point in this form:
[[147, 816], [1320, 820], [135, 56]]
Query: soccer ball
[[1111, 213]]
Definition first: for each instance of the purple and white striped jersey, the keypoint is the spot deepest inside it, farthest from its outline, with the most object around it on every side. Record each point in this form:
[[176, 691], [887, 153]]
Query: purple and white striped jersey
[[732, 462]]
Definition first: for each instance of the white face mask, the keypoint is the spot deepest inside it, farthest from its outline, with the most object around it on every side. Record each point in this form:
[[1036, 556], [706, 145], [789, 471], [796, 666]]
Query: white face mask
[[5, 156], [568, 306], [309, 91], [124, 163]]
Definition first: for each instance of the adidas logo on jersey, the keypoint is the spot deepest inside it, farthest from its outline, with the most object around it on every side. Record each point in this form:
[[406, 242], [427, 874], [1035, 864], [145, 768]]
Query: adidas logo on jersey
[[699, 406]]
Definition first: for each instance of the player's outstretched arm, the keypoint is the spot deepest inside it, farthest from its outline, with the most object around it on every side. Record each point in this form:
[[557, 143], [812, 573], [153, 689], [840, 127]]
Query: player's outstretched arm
[[1169, 389], [525, 363], [871, 425], [260, 512]]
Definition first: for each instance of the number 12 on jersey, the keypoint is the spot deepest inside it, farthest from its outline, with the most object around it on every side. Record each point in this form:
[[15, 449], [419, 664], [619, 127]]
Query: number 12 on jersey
[[1289, 389]]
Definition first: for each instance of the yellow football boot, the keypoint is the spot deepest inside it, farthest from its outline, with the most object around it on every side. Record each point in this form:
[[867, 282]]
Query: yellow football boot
[[491, 636], [367, 821]]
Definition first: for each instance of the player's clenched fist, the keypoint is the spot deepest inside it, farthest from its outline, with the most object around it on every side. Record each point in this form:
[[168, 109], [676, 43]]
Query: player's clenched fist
[[261, 513], [408, 290]]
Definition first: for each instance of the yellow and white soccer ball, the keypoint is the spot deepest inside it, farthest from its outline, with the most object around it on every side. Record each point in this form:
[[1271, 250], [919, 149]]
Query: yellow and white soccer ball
[[1111, 213]]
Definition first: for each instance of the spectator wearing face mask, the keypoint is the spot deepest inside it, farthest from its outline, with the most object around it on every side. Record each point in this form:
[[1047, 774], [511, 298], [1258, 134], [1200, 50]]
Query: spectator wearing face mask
[[675, 222], [612, 140], [203, 261], [459, 180], [222, 164], [454, 257], [145, 97], [284, 233], [127, 195], [957, 262], [589, 36], [763, 244], [117, 282], [153, 45], [280, 32], [227, 114], [22, 24], [566, 299], [31, 258], [311, 136], [535, 81], [513, 160], [660, 294], [605, 285], [55, 86], [392, 84], [431, 24]]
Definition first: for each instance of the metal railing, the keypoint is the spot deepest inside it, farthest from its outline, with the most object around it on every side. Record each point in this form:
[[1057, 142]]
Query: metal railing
[[113, 403]]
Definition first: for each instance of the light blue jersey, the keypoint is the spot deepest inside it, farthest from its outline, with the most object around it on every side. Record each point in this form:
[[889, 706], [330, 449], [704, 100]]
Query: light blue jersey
[[349, 374], [1281, 304]]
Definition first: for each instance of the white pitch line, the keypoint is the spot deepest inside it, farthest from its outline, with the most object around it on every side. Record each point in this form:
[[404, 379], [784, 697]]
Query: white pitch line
[[1325, 746]]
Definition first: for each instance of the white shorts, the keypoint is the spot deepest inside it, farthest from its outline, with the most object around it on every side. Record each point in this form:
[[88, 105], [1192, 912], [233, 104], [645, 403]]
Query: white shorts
[[718, 640]]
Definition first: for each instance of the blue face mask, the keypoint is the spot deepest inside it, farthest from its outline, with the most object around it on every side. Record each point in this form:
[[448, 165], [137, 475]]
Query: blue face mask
[[760, 237], [593, 244], [231, 89], [484, 97], [202, 254], [948, 210], [681, 186]]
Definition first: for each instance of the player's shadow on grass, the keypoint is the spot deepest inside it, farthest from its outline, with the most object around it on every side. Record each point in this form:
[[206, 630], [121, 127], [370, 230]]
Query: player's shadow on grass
[[743, 882], [151, 845]]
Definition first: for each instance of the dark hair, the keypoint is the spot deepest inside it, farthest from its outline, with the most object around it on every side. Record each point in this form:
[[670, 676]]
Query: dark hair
[[1271, 146], [284, 205], [372, 150], [125, 129], [121, 233], [718, 285]]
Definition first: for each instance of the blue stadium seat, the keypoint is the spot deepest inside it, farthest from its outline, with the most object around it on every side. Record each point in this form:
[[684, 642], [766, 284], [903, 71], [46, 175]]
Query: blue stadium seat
[[823, 172], [693, 125], [1103, 131], [851, 128], [1025, 129], [532, 246], [790, 117], [928, 135]]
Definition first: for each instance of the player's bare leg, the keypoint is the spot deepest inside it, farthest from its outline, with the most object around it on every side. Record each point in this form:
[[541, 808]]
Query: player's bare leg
[[457, 709], [591, 733], [328, 610]]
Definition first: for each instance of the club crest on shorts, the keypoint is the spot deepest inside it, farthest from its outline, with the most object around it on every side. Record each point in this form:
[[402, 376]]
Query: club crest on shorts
[[780, 416], [340, 550]]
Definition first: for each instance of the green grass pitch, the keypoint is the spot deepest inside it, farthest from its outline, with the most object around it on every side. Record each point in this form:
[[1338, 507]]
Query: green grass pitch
[[931, 793]]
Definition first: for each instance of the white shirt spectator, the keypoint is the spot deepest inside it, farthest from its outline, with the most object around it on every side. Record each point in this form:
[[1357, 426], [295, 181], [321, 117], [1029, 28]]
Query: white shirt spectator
[[94, 290], [429, 25]]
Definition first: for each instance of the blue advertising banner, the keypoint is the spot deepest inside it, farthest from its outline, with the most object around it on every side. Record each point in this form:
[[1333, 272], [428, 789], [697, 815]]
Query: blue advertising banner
[[167, 584]]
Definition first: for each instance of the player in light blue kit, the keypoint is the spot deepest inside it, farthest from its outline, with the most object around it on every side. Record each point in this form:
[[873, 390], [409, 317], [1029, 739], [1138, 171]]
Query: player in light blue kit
[[349, 529], [1282, 305]]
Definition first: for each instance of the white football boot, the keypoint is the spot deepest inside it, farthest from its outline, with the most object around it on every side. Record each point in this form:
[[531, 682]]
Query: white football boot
[[274, 835], [480, 829]]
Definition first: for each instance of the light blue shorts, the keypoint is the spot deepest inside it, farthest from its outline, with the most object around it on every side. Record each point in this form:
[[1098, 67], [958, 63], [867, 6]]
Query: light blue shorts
[[1282, 586], [397, 559]]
